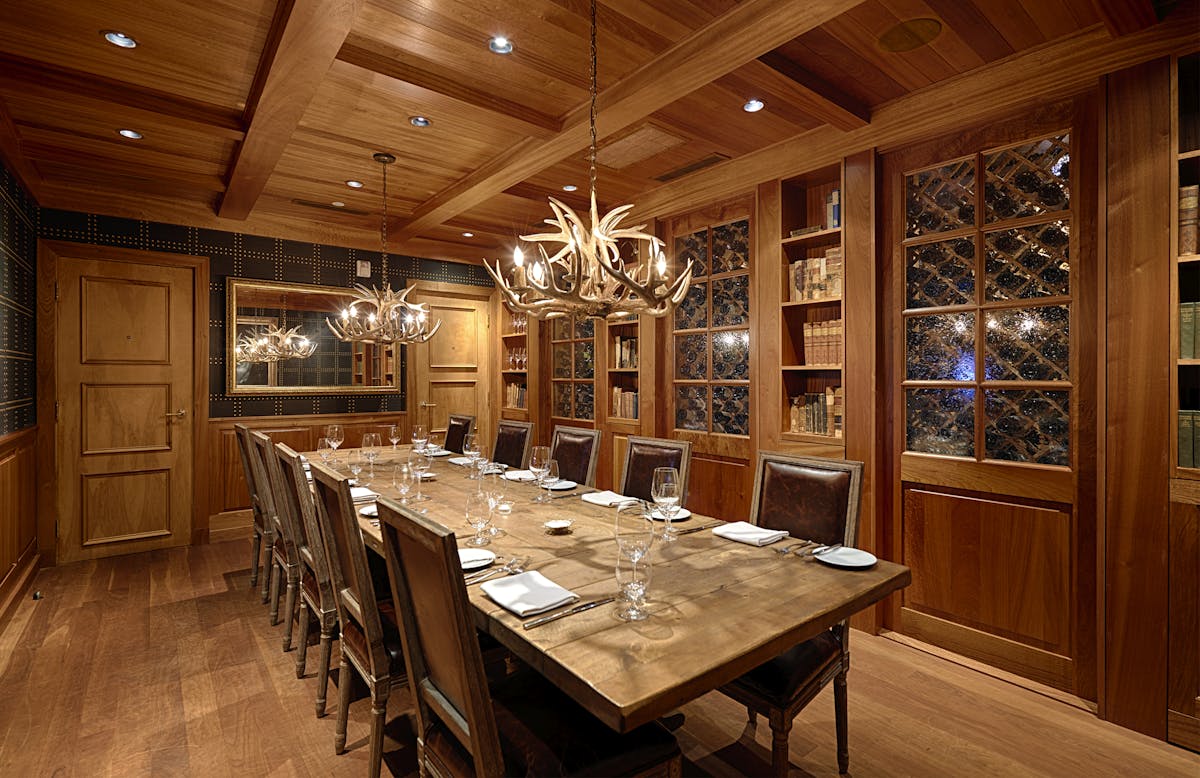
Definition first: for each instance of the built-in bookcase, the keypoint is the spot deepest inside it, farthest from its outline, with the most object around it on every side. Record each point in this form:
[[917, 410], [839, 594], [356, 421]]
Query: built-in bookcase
[[518, 361], [1187, 265]]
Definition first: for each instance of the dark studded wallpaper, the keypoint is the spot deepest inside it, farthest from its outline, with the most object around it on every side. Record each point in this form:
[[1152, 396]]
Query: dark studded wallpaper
[[230, 254], [18, 305]]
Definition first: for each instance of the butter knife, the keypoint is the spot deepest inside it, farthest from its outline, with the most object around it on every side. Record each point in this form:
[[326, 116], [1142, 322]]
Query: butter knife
[[587, 606], [690, 530]]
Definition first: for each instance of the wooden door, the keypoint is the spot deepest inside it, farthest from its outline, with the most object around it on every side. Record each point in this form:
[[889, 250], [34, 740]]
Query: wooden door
[[124, 367], [991, 283], [452, 372]]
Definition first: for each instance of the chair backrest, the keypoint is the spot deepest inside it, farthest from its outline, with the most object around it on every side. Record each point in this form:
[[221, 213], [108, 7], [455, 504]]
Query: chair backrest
[[441, 650], [268, 494], [513, 441], [643, 455], [242, 434], [576, 450], [457, 429], [811, 497], [358, 610], [297, 509]]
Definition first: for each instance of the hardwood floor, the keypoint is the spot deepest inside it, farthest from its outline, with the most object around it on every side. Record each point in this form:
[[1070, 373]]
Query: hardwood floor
[[164, 663]]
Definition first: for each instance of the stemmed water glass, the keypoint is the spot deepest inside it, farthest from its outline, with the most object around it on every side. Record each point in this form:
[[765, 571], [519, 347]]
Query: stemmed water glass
[[634, 533], [354, 460], [539, 461], [370, 449], [324, 450], [470, 448], [420, 437], [479, 516], [394, 435], [335, 436], [405, 480], [549, 480], [493, 486], [666, 493], [419, 464]]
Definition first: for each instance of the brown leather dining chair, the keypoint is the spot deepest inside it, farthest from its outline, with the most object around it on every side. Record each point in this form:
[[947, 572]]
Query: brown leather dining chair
[[513, 441], [457, 429], [370, 637], [643, 455], [263, 532], [317, 601], [815, 499], [282, 553], [519, 725], [576, 449]]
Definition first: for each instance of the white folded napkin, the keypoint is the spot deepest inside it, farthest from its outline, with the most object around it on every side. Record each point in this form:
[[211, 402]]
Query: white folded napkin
[[459, 460], [527, 593], [362, 494], [519, 475], [745, 532], [605, 499]]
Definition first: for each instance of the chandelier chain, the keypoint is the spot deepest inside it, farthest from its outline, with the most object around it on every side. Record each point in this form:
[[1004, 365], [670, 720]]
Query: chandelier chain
[[383, 243], [592, 108]]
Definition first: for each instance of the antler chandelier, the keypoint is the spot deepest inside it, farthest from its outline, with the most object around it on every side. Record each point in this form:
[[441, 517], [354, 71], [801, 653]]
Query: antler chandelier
[[383, 315], [274, 343], [588, 276]]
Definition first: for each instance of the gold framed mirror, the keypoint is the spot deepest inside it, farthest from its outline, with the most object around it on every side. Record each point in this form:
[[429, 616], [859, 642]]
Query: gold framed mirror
[[334, 368]]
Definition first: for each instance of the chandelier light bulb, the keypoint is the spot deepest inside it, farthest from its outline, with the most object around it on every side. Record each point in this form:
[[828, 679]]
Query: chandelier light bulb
[[518, 257]]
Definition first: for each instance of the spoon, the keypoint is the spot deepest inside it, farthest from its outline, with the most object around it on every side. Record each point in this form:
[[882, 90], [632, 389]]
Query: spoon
[[823, 550]]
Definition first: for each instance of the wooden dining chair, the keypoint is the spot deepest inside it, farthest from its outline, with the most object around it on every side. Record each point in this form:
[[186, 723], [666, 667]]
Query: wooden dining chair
[[519, 725], [457, 429], [316, 601], [815, 499], [263, 533], [282, 553], [370, 636], [644, 455], [576, 450], [513, 441]]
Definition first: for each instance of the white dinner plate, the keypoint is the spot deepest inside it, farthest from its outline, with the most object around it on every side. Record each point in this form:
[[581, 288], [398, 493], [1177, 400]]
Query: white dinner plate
[[441, 452], [475, 558], [680, 515], [854, 558], [562, 484], [370, 511], [519, 475]]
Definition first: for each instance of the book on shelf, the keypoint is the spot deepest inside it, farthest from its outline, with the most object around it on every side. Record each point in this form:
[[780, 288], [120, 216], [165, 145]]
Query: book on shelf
[[816, 278], [1189, 200], [833, 209], [818, 413], [514, 395], [1188, 422], [1187, 330], [625, 351], [796, 233], [624, 403], [823, 343]]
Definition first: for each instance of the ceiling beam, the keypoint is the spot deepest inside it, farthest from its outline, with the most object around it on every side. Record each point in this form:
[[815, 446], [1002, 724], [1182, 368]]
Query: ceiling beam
[[741, 35], [393, 63], [815, 96], [304, 41], [1123, 17], [26, 76], [12, 152]]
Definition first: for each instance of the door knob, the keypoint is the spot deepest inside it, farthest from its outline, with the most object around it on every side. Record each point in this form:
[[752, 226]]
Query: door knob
[[178, 414], [428, 404]]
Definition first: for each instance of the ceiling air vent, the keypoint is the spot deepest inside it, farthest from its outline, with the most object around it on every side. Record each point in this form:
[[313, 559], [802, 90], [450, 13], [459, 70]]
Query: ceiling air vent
[[643, 143], [328, 207], [692, 167]]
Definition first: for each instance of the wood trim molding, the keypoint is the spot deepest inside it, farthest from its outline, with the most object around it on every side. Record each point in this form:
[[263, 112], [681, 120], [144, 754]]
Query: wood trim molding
[[1008, 478], [18, 580], [12, 152], [1123, 17], [1183, 730]]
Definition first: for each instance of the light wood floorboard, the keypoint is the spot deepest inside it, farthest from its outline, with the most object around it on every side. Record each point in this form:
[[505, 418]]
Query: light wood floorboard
[[164, 663]]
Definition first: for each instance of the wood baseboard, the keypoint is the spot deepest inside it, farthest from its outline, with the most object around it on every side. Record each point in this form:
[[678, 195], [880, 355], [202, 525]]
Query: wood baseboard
[[231, 525], [17, 582], [1183, 730]]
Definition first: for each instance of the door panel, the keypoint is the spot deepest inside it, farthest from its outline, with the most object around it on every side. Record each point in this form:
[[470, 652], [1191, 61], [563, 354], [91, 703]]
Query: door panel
[[452, 372], [124, 374]]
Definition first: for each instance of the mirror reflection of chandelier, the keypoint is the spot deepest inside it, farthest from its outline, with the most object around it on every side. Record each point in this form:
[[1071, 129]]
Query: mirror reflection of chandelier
[[383, 315], [587, 275], [274, 343]]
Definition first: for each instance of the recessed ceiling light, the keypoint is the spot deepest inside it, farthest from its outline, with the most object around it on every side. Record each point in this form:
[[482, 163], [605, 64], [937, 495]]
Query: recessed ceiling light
[[131, 134], [119, 39], [338, 204], [500, 45], [468, 235], [570, 188], [419, 121], [354, 184], [753, 105]]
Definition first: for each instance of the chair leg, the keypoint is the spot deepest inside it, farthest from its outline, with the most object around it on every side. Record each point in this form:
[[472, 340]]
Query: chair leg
[[378, 714], [256, 552], [840, 710], [289, 612], [751, 716], [276, 575], [344, 681], [304, 619], [781, 727], [323, 669], [268, 543]]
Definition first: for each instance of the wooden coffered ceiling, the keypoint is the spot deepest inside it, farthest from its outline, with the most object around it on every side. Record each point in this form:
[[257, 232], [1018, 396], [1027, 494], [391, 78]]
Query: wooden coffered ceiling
[[255, 112]]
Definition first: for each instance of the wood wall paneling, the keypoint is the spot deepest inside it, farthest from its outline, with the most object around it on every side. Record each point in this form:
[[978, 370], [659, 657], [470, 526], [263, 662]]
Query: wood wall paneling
[[1138, 173], [1183, 685], [18, 518]]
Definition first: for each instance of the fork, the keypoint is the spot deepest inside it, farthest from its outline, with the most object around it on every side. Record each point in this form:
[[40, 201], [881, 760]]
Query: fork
[[789, 549], [511, 567]]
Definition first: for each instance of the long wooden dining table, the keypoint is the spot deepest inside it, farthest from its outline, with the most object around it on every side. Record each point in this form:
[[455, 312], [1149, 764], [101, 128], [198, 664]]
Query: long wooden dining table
[[717, 608]]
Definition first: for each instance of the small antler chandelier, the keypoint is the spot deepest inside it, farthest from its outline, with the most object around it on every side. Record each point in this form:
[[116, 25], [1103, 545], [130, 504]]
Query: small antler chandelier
[[274, 343], [383, 315], [588, 276]]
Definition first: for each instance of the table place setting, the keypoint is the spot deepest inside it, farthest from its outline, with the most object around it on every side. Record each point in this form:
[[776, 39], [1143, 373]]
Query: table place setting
[[605, 499], [524, 476], [528, 593], [745, 532], [363, 494]]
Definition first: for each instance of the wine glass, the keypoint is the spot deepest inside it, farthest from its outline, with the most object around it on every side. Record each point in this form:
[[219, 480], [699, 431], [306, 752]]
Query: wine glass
[[394, 435], [354, 461], [335, 436], [634, 533], [404, 480], [470, 448], [420, 436], [666, 493], [539, 457], [370, 448], [548, 481], [492, 485], [324, 450], [479, 516], [418, 463]]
